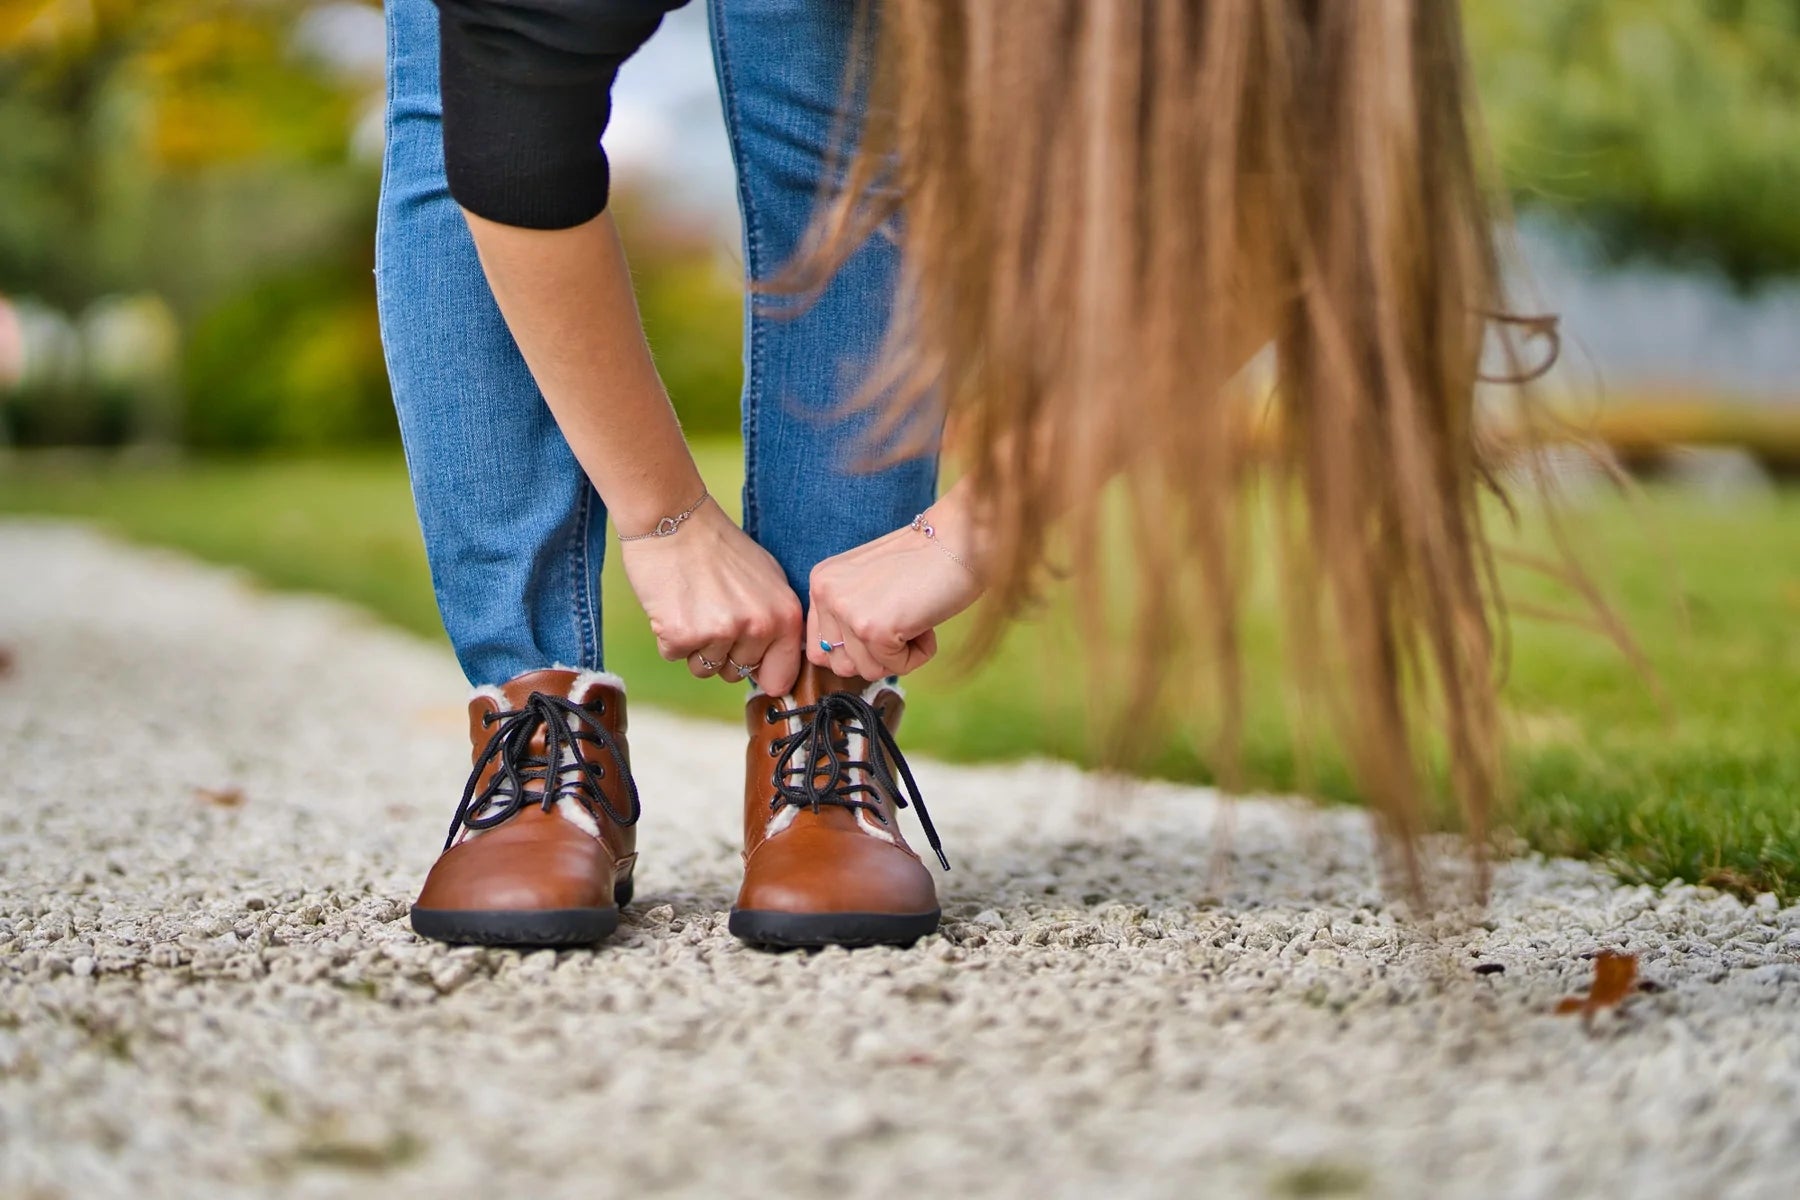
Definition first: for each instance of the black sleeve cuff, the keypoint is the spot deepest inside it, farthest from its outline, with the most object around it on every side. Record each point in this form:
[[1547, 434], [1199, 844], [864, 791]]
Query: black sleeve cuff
[[526, 88]]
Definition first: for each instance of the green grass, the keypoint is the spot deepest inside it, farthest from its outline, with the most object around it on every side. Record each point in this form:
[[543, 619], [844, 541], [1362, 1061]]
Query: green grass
[[1708, 792]]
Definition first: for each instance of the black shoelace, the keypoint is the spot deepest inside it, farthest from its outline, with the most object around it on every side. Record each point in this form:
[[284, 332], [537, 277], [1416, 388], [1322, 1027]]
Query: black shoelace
[[561, 769], [813, 766]]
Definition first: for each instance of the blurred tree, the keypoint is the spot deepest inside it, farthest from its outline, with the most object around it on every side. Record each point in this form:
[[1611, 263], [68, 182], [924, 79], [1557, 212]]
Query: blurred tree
[[112, 105], [1670, 127], [198, 149]]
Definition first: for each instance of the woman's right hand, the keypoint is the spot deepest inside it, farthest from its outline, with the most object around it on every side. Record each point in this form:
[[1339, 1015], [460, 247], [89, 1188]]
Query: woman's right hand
[[712, 593]]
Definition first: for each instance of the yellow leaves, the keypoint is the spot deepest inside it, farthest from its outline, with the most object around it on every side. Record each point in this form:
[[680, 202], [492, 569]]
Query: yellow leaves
[[42, 22], [204, 82], [69, 26], [227, 89]]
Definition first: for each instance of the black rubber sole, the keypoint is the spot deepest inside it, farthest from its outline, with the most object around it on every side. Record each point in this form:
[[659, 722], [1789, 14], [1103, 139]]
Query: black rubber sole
[[812, 930], [502, 927], [514, 927]]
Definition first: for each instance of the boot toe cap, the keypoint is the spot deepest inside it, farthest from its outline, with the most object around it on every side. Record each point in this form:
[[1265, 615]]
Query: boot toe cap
[[510, 877], [830, 871]]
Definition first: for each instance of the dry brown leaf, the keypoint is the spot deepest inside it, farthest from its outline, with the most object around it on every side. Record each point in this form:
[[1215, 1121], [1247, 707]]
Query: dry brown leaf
[[1614, 974], [8, 660], [225, 797]]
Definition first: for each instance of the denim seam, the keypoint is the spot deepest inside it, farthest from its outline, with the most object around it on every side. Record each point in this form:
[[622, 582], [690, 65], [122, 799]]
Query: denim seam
[[382, 195], [751, 403], [581, 587]]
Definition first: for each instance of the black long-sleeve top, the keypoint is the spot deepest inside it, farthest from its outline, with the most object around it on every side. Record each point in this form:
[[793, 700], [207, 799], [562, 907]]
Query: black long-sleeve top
[[527, 88]]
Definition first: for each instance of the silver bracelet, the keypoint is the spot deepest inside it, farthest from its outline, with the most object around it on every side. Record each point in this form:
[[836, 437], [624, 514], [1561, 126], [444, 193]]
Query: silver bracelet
[[921, 525], [669, 525]]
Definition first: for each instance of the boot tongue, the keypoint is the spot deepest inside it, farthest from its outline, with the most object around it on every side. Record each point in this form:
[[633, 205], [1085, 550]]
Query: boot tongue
[[814, 684], [514, 694], [550, 681], [818, 682]]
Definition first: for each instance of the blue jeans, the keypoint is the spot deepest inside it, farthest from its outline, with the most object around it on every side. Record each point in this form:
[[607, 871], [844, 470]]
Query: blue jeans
[[514, 532]]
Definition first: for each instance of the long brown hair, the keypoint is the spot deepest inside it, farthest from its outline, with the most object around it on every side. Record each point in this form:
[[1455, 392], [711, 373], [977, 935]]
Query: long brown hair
[[1107, 209]]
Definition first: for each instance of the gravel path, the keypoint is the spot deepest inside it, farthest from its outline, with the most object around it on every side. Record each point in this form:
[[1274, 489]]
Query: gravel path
[[205, 999]]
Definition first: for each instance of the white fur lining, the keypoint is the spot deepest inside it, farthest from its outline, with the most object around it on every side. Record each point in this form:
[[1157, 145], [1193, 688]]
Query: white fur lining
[[870, 827], [582, 682], [784, 815], [856, 746], [782, 818], [570, 810], [587, 679]]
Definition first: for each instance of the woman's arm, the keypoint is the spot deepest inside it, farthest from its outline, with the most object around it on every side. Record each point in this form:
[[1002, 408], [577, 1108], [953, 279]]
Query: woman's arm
[[709, 591], [566, 295]]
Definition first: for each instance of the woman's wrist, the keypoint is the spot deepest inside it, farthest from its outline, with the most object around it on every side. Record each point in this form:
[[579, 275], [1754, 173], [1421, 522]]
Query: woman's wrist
[[670, 524], [663, 506], [950, 523]]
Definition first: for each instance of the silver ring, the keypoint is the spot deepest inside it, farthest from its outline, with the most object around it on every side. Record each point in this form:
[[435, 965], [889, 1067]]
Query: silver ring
[[743, 671], [706, 662]]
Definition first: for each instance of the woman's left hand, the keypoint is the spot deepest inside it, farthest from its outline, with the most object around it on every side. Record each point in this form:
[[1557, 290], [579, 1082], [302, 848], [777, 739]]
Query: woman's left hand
[[885, 599]]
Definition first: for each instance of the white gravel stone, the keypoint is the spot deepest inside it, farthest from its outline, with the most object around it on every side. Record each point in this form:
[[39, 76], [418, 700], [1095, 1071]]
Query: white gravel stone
[[205, 999]]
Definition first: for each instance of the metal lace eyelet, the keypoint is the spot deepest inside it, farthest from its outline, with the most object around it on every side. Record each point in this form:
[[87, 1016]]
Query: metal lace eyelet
[[487, 718], [774, 750], [769, 717]]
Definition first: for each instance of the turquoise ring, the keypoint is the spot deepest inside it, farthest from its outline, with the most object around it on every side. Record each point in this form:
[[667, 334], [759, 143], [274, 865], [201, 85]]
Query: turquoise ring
[[828, 647]]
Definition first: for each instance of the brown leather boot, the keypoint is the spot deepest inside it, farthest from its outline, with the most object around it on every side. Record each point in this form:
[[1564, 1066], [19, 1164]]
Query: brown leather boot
[[824, 861], [527, 864]]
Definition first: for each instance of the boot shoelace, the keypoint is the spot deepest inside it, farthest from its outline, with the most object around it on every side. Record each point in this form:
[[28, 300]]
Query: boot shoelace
[[561, 769], [813, 766]]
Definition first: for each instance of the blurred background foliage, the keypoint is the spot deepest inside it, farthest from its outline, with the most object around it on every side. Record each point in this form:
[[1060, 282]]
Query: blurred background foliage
[[1669, 127], [187, 190], [216, 161]]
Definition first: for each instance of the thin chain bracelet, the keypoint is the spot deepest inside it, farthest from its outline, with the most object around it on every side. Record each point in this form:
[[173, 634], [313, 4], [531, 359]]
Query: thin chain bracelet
[[668, 525], [921, 525]]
